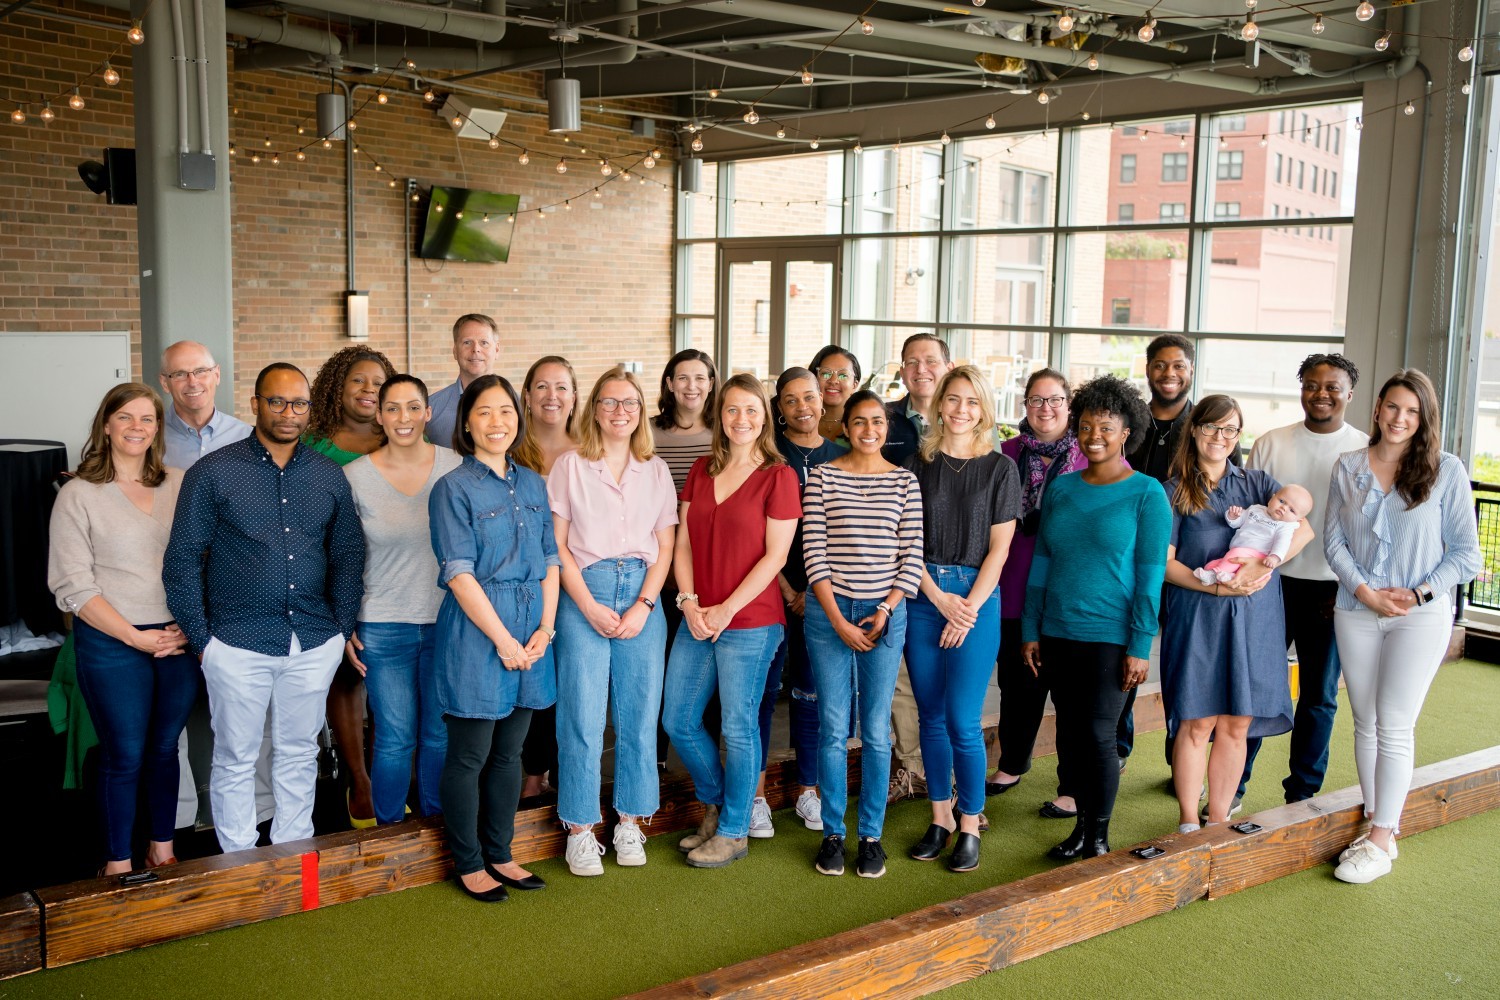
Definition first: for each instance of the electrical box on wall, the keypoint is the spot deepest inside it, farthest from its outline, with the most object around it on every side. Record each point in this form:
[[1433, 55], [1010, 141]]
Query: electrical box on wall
[[197, 171]]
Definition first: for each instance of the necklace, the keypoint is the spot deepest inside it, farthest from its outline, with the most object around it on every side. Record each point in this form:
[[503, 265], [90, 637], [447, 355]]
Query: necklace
[[1161, 432], [805, 454], [955, 468]]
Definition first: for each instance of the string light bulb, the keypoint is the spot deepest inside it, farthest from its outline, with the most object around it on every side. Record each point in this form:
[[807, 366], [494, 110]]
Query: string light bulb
[[1466, 53], [945, 140], [1093, 62], [697, 143], [567, 206], [1410, 109], [751, 117], [1359, 124], [807, 77], [268, 142], [989, 122], [1466, 89], [1383, 42], [655, 152], [1365, 11], [1318, 27], [353, 125], [1042, 97], [1143, 135], [1249, 31], [391, 182], [1085, 116], [562, 165], [381, 97], [276, 158], [1182, 142], [428, 95], [1262, 142], [1223, 142], [408, 64], [458, 121], [814, 144], [135, 34], [605, 168], [76, 101], [254, 157], [859, 147], [1147, 30], [781, 133], [1065, 21], [18, 116], [378, 168], [649, 162], [625, 176], [597, 194], [1250, 4], [713, 93], [327, 143], [111, 75], [865, 27], [232, 150], [494, 143], [301, 156], [524, 158]]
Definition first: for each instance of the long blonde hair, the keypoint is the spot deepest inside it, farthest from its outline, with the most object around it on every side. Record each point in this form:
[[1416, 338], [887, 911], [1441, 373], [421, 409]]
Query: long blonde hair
[[97, 464], [766, 442], [984, 434], [591, 441]]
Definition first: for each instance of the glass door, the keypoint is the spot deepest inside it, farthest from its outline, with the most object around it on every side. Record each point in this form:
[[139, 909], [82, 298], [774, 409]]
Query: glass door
[[778, 304]]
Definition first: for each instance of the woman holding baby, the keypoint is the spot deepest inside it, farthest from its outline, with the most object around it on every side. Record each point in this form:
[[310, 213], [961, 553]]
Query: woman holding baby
[[1223, 655]]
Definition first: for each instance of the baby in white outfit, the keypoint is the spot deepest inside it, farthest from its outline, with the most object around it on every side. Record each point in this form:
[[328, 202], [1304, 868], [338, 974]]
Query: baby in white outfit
[[1263, 531]]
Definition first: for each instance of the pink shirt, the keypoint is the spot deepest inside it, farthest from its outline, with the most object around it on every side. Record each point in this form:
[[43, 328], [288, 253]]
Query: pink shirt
[[610, 520]]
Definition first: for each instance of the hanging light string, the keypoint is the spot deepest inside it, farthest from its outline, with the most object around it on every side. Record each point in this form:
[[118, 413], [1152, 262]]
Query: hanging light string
[[70, 95]]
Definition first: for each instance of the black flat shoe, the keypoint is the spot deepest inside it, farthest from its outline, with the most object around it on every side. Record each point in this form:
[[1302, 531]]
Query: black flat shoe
[[999, 787], [524, 884], [931, 844], [965, 856], [1073, 848], [1049, 810], [496, 895]]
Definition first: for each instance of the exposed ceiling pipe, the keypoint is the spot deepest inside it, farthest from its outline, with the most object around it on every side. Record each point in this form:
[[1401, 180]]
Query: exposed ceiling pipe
[[1388, 69], [266, 29], [486, 26], [773, 10]]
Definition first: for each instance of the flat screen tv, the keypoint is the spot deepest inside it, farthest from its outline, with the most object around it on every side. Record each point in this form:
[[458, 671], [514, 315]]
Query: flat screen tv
[[469, 225]]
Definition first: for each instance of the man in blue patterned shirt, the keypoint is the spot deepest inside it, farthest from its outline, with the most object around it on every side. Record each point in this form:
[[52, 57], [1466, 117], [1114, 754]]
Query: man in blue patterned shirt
[[264, 575]]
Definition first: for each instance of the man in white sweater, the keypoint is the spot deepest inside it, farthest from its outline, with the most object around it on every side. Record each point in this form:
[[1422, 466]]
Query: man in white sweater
[[1305, 452]]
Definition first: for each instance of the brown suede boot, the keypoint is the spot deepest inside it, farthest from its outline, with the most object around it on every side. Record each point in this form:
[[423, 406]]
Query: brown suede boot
[[718, 851], [706, 829]]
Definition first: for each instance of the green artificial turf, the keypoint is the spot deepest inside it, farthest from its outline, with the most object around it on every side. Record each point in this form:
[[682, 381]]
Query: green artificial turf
[[1430, 927]]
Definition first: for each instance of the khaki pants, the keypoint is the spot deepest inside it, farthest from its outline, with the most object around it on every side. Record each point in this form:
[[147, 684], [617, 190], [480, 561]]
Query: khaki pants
[[906, 745]]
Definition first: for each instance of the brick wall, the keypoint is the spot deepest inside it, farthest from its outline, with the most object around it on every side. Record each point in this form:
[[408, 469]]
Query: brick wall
[[592, 283]]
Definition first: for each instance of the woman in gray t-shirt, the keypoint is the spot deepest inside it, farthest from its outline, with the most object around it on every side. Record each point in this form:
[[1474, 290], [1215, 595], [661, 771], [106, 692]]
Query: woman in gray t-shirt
[[393, 644]]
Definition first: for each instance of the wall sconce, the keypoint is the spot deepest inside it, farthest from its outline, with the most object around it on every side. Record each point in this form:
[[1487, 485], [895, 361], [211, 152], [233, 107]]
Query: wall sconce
[[357, 315]]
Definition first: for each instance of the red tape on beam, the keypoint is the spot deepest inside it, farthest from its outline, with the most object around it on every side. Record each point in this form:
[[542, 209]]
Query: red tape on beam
[[310, 880]]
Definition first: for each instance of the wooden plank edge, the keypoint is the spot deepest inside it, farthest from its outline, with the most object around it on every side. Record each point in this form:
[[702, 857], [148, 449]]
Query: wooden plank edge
[[20, 935]]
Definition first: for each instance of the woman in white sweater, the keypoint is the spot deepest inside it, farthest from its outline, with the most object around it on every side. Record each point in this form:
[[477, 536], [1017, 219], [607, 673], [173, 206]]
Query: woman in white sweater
[[109, 530]]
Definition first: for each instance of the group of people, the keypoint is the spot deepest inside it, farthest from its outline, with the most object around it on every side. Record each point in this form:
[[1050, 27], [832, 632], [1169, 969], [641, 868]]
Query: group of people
[[502, 570]]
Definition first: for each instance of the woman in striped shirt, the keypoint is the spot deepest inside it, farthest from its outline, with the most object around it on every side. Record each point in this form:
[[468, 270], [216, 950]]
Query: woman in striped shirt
[[1399, 533], [862, 537]]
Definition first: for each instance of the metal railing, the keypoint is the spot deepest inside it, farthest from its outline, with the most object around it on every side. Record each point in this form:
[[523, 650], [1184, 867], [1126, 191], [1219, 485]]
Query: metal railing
[[1484, 590]]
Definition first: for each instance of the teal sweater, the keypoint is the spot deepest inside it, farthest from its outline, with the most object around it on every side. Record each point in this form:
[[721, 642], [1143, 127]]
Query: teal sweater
[[1101, 555]]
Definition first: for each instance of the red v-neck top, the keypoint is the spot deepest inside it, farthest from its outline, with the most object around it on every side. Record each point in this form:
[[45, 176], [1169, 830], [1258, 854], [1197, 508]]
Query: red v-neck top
[[729, 538]]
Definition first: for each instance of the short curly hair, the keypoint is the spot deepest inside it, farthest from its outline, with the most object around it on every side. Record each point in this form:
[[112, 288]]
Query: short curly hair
[[1332, 361], [1117, 397], [328, 388]]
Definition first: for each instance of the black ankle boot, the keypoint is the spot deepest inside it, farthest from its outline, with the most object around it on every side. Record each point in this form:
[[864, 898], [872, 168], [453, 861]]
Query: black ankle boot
[[1098, 838], [1073, 847]]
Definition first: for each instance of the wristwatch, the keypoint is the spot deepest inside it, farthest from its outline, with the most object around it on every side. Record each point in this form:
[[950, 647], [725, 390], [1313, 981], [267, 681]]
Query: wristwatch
[[649, 603], [684, 598], [1423, 592]]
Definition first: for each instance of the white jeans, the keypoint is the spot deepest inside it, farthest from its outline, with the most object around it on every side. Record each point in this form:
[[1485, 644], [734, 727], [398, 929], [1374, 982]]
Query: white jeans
[[242, 687], [1389, 664]]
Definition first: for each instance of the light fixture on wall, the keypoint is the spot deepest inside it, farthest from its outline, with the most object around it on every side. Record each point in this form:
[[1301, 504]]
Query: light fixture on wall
[[357, 315]]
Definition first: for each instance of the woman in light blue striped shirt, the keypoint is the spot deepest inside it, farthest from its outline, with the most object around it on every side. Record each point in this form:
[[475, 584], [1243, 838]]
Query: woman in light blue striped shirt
[[862, 539], [1399, 534]]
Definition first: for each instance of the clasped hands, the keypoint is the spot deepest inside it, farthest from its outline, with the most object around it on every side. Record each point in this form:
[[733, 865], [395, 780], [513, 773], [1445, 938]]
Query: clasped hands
[[960, 615], [514, 656], [706, 623], [159, 642]]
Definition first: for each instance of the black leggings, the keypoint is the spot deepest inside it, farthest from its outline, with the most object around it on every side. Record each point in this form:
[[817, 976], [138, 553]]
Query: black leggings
[[1023, 701], [1084, 678], [481, 787], [539, 752]]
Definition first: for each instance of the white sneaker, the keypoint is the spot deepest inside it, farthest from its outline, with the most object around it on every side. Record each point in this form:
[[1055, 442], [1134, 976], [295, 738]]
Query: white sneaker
[[1348, 852], [1188, 827], [810, 809], [630, 845], [760, 819], [584, 852], [1365, 863]]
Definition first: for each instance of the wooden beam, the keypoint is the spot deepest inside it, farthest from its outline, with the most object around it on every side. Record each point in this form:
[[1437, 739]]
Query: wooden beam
[[941, 945], [20, 935]]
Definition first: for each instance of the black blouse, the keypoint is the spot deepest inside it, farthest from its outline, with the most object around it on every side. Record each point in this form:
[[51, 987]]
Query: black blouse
[[961, 499]]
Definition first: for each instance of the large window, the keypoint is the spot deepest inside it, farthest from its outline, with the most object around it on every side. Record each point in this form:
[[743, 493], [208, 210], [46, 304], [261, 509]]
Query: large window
[[1066, 247]]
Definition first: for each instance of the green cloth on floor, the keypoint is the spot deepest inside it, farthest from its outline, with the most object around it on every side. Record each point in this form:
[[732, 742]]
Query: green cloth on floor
[[629, 929], [69, 715]]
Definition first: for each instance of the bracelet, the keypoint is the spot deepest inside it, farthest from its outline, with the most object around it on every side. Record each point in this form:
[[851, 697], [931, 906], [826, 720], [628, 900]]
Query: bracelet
[[649, 603], [551, 632], [1216, 590], [684, 598], [882, 606]]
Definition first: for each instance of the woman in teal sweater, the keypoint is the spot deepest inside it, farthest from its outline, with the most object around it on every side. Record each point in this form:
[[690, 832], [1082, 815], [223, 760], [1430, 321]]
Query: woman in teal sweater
[[1092, 597]]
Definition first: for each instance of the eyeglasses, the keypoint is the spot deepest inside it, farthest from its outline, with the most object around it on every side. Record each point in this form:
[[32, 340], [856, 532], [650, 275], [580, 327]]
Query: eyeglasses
[[1228, 432], [182, 375], [609, 405], [278, 404], [1051, 402], [828, 375], [913, 364]]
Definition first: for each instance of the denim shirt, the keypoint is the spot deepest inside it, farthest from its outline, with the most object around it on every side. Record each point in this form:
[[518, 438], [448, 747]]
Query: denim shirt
[[498, 530]]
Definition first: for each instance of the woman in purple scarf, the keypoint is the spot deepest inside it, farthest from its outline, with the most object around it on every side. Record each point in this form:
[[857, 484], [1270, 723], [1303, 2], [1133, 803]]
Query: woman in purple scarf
[[1045, 448]]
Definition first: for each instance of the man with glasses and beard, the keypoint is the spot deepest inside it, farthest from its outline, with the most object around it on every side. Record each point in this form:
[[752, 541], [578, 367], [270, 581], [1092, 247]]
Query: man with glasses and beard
[[264, 574]]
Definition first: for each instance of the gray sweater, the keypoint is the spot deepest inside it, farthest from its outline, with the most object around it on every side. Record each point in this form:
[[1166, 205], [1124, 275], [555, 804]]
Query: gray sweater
[[102, 544], [401, 572]]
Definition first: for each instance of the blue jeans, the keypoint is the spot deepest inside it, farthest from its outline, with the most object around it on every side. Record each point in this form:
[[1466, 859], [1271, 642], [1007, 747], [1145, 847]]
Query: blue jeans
[[139, 705], [802, 707], [842, 676], [949, 686], [593, 671], [735, 666], [402, 683]]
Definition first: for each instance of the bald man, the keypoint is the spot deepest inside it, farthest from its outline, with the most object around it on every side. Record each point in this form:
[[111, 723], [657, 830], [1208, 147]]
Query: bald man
[[194, 427]]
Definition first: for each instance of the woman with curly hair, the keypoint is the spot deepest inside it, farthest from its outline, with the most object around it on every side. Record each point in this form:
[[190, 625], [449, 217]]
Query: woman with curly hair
[[1399, 533], [1092, 598], [342, 424]]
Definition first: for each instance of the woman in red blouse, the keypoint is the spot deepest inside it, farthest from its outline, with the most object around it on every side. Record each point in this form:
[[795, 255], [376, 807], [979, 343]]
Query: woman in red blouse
[[740, 507]]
